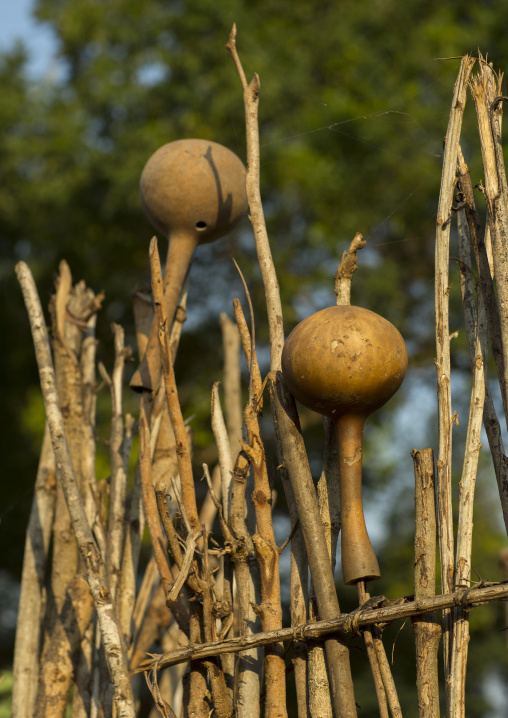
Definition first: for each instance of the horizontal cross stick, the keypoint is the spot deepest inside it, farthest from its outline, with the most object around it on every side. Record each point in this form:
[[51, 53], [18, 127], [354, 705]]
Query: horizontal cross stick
[[346, 623]]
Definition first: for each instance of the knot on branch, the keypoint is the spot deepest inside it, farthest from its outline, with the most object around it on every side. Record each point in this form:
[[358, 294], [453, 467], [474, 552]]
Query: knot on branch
[[352, 620]]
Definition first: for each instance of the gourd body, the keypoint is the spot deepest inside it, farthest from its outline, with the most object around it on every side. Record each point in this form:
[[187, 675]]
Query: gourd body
[[346, 362]]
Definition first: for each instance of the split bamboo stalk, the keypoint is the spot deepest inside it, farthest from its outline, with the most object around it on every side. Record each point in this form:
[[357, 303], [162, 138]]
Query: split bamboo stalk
[[286, 420], [94, 565], [476, 331], [446, 421], [426, 627], [485, 90], [490, 420]]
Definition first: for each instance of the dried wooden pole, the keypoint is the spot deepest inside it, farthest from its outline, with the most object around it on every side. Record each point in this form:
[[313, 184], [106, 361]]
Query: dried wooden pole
[[183, 453], [372, 653], [485, 281], [446, 421], [61, 646], [118, 481], [94, 565], [221, 699], [233, 421], [486, 91], [476, 330], [285, 415], [329, 510], [426, 627], [82, 688], [383, 680], [249, 665], [267, 552], [490, 420], [232, 382], [164, 463], [30, 610], [225, 474], [150, 506], [236, 533], [223, 448]]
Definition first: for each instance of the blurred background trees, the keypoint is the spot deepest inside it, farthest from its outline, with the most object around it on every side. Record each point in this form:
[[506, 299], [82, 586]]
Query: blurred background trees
[[354, 106]]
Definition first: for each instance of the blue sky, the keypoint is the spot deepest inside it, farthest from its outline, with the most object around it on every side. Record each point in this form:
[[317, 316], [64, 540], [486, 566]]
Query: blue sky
[[17, 23]]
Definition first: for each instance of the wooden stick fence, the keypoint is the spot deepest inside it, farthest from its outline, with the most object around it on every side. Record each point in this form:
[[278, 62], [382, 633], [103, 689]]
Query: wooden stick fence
[[216, 608]]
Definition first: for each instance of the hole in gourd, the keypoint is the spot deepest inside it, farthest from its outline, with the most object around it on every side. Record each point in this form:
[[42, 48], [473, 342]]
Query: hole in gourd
[[200, 226]]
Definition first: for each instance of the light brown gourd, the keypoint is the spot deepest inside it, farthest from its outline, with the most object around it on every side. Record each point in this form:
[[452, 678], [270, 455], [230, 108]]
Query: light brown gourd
[[346, 362], [193, 192]]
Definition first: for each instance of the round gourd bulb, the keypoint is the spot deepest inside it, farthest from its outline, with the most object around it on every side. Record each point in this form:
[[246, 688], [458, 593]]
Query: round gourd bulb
[[194, 187], [344, 360]]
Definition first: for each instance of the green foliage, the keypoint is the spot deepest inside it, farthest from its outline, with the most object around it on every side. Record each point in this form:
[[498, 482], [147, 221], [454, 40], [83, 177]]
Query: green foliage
[[5, 694]]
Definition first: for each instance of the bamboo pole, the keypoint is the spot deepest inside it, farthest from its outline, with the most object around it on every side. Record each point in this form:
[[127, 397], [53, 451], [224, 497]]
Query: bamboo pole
[[486, 91], [446, 420], [476, 330], [485, 281]]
